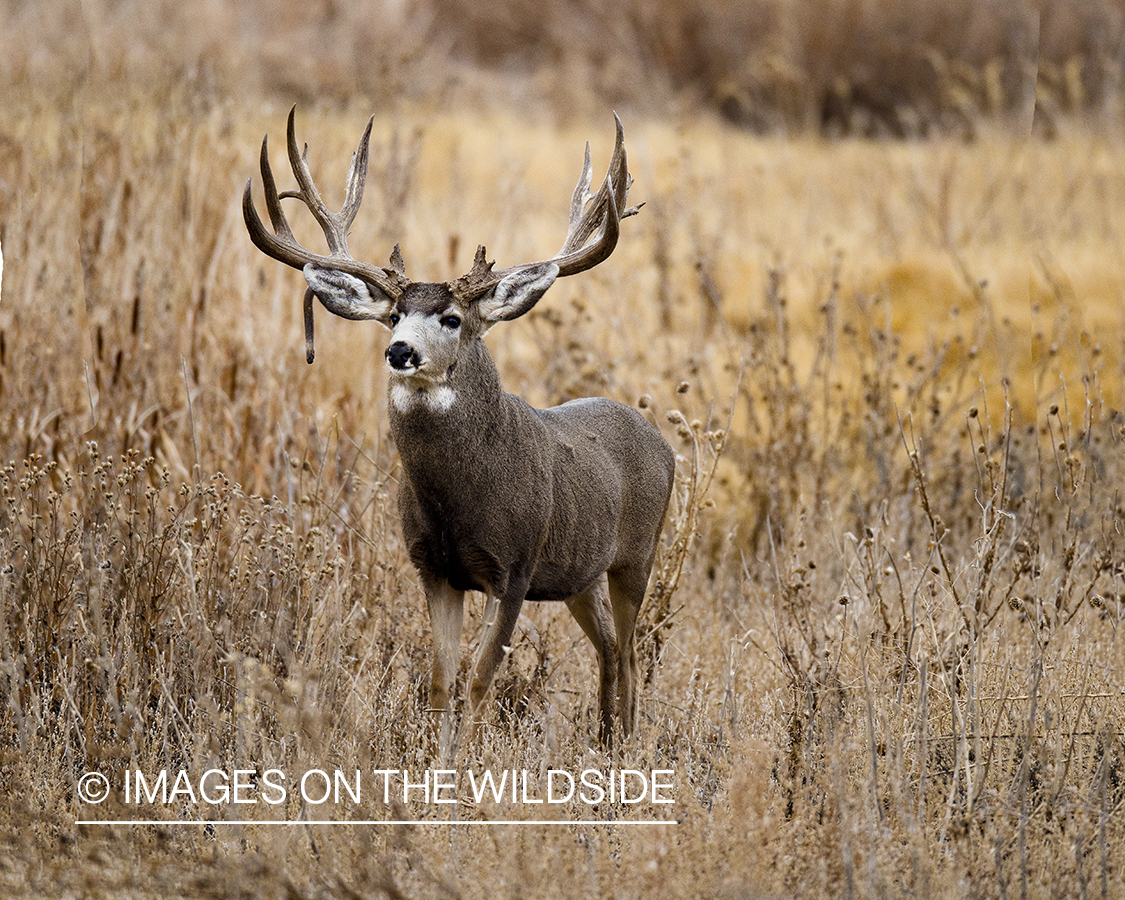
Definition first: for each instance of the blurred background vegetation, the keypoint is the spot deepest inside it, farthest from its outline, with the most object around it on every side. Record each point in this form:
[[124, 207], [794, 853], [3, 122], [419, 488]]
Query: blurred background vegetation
[[867, 67]]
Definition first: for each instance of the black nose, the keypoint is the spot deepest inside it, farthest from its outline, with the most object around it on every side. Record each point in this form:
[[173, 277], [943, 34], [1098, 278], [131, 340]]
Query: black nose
[[401, 355]]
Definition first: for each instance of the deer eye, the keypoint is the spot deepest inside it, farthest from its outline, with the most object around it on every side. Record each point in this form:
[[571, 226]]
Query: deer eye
[[394, 319], [451, 322]]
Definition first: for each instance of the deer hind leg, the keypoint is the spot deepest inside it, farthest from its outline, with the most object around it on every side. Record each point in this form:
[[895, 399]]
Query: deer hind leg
[[627, 593], [591, 610], [446, 606]]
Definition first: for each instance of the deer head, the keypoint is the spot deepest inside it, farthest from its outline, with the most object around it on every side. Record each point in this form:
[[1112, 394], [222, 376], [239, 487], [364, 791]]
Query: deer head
[[428, 321]]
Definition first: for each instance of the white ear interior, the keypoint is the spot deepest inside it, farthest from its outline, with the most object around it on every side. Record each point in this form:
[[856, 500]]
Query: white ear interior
[[347, 296], [518, 293]]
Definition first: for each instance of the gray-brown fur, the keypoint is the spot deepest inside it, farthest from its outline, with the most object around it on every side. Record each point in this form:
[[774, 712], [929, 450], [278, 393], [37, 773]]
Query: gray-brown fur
[[565, 503]]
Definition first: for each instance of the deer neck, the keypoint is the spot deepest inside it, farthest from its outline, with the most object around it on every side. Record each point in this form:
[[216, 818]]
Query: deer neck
[[447, 429]]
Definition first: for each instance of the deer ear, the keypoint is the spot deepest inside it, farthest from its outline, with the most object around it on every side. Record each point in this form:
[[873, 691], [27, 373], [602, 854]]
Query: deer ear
[[517, 293], [348, 296]]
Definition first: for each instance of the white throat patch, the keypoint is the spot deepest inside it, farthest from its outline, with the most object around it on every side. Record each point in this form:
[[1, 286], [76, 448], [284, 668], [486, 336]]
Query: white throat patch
[[437, 398]]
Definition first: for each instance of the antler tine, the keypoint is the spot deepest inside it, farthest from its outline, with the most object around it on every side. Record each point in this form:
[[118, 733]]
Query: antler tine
[[622, 179], [273, 201], [330, 224], [357, 177], [283, 246], [581, 195]]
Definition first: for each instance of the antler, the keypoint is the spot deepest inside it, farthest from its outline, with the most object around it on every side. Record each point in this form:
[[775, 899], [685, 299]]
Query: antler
[[283, 246], [590, 214]]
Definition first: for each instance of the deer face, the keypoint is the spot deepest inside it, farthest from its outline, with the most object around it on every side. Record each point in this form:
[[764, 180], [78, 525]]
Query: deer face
[[427, 330]]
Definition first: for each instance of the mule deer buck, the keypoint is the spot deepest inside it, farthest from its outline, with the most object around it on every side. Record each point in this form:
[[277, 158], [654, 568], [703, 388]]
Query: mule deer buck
[[565, 503]]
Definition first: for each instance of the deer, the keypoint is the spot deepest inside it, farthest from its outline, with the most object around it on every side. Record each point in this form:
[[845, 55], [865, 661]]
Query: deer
[[523, 504]]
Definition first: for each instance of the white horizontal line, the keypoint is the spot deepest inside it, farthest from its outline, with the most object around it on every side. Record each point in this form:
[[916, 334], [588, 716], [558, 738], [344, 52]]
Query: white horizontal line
[[175, 822]]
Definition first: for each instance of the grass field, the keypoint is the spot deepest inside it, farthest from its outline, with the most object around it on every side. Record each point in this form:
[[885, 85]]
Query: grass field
[[892, 371]]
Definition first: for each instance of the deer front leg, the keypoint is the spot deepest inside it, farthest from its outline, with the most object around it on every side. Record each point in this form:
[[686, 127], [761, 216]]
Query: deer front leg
[[446, 607], [500, 616]]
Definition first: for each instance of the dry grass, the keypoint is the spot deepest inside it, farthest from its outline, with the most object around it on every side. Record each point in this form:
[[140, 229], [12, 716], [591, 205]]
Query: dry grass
[[888, 665]]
